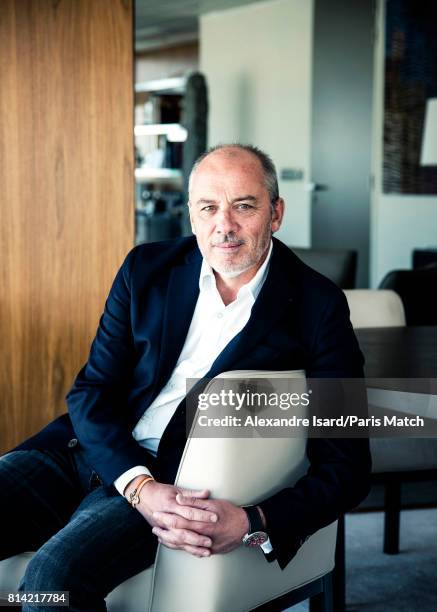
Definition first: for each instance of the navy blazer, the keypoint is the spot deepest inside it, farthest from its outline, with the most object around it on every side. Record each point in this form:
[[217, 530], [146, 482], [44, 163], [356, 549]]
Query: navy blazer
[[300, 320]]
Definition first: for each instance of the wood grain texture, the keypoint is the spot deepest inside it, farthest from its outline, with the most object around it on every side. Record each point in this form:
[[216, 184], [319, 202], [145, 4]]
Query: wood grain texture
[[66, 193]]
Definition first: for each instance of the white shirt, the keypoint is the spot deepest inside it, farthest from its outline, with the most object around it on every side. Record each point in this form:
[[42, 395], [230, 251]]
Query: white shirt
[[212, 327]]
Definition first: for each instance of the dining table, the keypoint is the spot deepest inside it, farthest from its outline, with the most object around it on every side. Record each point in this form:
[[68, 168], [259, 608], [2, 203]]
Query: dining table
[[401, 373], [399, 352]]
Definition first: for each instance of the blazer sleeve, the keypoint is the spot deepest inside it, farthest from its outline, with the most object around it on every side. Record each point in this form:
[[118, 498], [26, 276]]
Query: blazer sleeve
[[338, 478], [97, 402]]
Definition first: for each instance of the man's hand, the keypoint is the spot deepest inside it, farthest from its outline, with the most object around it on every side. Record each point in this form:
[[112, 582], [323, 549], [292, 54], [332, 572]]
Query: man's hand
[[186, 527], [225, 534]]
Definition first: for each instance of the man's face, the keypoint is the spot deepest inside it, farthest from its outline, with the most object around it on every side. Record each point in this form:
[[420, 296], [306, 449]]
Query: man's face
[[230, 212]]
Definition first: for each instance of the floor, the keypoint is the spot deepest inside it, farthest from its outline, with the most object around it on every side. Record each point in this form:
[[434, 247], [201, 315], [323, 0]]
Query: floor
[[406, 582]]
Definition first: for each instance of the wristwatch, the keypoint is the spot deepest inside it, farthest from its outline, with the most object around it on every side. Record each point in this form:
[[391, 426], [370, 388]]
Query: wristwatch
[[256, 534]]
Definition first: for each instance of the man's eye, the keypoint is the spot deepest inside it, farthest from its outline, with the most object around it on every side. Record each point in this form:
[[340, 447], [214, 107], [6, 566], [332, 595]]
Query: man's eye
[[207, 208], [244, 206]]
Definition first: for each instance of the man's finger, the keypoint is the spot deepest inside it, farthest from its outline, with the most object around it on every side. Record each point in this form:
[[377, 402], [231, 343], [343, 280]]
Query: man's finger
[[168, 544], [195, 539], [201, 493], [169, 520], [195, 502], [197, 551], [182, 537], [194, 514], [166, 537]]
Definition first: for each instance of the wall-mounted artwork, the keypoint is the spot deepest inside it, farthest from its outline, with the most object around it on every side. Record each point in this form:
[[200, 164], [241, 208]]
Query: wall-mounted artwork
[[410, 79]]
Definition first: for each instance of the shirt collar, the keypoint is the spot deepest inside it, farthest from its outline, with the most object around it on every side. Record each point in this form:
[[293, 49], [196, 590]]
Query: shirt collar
[[254, 286]]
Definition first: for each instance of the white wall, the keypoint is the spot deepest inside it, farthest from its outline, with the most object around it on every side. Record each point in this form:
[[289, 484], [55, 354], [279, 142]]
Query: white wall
[[257, 60], [399, 223]]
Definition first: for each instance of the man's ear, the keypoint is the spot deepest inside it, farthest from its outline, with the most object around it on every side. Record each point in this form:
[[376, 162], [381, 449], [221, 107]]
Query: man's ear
[[277, 214]]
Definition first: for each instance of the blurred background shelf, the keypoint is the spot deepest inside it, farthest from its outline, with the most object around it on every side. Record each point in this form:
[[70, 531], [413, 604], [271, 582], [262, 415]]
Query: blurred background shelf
[[169, 85], [174, 131], [159, 175], [170, 133]]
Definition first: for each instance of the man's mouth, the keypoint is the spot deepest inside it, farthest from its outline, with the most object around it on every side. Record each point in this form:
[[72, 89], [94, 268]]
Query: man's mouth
[[228, 246]]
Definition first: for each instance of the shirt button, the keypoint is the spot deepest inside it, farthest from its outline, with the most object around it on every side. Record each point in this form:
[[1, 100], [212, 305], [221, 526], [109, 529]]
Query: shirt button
[[72, 443], [219, 315]]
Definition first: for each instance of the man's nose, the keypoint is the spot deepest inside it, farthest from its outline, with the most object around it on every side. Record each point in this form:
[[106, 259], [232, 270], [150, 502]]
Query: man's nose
[[225, 222]]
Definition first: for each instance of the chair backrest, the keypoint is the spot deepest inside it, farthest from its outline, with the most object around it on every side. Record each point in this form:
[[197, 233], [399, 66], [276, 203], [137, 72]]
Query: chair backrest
[[339, 265], [417, 289], [375, 308], [243, 470]]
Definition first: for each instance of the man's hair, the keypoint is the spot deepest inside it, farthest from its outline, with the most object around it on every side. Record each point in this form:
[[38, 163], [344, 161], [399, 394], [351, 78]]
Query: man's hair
[[270, 175]]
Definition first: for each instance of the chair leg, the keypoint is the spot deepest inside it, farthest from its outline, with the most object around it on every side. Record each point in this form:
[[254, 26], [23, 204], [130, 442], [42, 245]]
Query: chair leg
[[328, 593], [339, 573], [323, 602], [392, 517]]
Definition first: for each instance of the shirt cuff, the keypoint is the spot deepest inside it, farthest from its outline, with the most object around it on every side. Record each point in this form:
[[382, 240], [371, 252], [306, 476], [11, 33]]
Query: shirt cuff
[[122, 481]]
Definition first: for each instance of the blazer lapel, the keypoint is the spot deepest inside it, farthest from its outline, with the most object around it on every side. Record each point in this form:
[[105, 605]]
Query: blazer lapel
[[275, 296], [182, 294]]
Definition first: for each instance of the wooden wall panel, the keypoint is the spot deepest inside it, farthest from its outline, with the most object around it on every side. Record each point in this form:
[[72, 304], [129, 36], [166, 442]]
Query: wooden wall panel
[[66, 193]]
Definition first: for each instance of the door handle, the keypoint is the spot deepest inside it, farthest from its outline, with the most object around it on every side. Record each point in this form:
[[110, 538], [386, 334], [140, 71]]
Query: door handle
[[313, 187]]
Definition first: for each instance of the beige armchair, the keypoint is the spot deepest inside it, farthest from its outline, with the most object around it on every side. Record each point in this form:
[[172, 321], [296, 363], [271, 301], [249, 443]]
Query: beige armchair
[[243, 579], [375, 308]]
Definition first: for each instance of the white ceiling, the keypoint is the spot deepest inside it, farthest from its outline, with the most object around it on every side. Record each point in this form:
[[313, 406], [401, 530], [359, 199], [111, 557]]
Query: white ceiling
[[168, 20], [158, 24]]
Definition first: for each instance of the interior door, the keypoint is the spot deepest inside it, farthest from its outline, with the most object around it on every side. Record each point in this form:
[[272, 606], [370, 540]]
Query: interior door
[[341, 127]]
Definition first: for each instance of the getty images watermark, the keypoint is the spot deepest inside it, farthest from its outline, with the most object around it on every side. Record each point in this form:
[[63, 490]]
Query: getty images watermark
[[297, 407]]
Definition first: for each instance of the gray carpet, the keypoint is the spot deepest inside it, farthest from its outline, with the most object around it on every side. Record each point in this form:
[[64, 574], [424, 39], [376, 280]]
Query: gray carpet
[[406, 582]]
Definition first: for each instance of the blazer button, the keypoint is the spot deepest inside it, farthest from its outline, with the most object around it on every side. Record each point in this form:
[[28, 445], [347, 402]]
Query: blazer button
[[72, 443]]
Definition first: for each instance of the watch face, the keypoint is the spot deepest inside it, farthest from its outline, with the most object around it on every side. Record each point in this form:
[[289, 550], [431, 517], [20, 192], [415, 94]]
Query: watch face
[[255, 538]]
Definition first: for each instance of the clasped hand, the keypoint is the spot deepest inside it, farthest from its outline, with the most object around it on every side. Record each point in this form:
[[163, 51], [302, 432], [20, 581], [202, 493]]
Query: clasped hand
[[189, 520]]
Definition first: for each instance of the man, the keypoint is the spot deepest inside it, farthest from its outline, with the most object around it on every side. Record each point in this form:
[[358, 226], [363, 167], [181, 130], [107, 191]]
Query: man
[[177, 310]]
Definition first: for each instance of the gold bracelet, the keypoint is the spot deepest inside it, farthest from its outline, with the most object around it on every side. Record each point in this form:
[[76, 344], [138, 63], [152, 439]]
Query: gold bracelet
[[134, 497]]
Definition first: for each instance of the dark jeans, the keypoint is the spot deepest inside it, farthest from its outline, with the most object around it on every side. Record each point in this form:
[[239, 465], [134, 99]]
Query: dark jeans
[[86, 536]]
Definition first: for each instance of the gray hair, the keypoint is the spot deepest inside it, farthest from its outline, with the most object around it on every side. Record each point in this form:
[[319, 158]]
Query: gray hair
[[270, 175]]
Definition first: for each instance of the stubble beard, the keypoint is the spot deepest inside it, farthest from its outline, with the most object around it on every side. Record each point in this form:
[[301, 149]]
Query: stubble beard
[[232, 270]]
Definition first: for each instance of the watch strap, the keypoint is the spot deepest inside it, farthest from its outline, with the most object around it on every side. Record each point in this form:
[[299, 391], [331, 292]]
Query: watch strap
[[254, 517]]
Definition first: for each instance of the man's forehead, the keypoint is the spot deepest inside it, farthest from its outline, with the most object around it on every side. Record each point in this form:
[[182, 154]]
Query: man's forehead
[[233, 156], [228, 169], [211, 186]]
